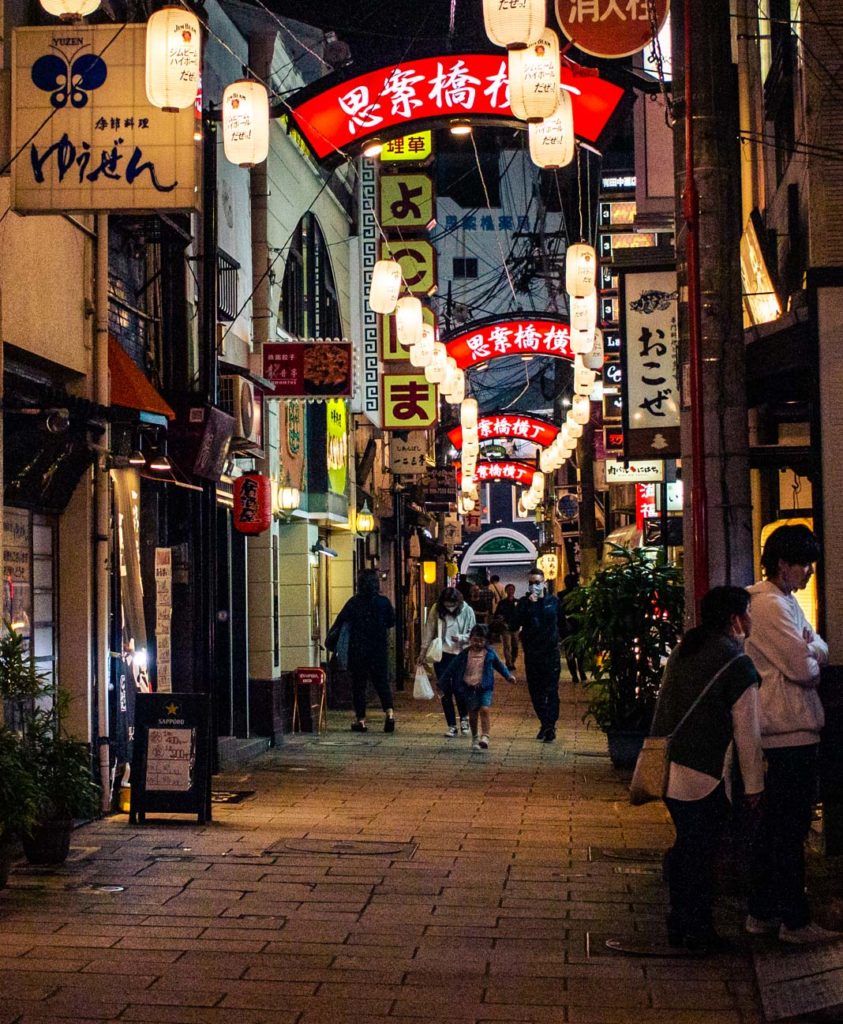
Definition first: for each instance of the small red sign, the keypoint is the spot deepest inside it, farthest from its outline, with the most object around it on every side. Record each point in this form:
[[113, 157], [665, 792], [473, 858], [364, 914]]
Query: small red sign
[[610, 28], [310, 676], [511, 338], [308, 369], [524, 428], [507, 472]]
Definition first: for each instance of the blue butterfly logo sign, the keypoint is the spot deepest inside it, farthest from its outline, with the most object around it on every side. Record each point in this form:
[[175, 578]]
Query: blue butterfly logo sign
[[69, 79]]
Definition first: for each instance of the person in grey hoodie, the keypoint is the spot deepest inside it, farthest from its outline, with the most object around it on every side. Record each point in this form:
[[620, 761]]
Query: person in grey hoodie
[[788, 655]]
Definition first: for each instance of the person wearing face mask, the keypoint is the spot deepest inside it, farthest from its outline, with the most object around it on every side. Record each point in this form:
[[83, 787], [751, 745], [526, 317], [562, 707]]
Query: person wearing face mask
[[788, 655], [708, 699], [542, 622], [450, 621]]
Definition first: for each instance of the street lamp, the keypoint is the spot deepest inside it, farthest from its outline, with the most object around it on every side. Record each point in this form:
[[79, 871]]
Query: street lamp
[[365, 520]]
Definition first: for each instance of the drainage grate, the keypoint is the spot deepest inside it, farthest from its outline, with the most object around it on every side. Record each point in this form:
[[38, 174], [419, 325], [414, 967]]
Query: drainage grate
[[344, 847], [596, 853], [231, 796]]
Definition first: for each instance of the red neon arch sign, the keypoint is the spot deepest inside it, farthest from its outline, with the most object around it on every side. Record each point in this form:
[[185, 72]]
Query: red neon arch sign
[[395, 99], [506, 472], [511, 338], [523, 428]]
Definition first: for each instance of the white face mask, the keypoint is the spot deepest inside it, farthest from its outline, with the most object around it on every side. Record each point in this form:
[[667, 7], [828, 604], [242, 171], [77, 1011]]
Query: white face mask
[[536, 588]]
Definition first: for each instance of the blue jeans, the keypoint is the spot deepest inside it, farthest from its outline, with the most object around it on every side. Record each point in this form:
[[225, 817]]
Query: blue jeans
[[448, 694]]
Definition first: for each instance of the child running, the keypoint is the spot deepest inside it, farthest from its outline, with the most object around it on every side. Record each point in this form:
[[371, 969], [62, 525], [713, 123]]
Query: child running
[[472, 675]]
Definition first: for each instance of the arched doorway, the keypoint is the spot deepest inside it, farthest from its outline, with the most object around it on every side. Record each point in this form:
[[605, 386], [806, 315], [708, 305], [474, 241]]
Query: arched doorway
[[502, 552]]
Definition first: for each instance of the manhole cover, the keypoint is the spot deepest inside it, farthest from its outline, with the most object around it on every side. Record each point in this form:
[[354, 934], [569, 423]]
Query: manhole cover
[[231, 796], [346, 847]]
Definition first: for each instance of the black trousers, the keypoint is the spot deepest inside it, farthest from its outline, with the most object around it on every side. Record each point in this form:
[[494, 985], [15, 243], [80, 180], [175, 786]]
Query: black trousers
[[700, 825], [542, 670], [448, 693], [362, 671], [777, 881]]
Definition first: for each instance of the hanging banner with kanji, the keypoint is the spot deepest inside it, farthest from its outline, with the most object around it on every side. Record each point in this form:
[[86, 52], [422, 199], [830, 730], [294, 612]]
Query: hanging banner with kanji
[[525, 428], [512, 337], [509, 472], [649, 325], [409, 402], [406, 202], [418, 263]]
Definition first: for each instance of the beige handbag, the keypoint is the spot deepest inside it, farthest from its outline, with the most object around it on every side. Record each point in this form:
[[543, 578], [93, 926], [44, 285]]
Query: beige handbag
[[649, 780]]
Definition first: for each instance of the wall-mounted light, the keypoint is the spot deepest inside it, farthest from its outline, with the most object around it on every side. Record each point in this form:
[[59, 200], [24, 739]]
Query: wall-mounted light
[[287, 498], [321, 548], [460, 126], [429, 572], [373, 148], [365, 520]]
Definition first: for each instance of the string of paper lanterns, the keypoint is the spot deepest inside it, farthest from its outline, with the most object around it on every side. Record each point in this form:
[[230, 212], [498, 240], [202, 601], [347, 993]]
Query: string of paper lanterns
[[513, 23]]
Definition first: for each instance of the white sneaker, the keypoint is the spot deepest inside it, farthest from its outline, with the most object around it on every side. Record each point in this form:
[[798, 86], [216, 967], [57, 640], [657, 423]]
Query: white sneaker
[[465, 727], [476, 744], [484, 742], [810, 934], [451, 732], [760, 926]]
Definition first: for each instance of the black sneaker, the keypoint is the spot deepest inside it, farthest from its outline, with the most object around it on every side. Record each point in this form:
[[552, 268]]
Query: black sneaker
[[540, 733], [549, 735], [358, 727], [389, 723]]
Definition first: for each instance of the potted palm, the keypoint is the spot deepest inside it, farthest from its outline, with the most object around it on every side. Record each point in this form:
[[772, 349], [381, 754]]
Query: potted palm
[[18, 799], [626, 620]]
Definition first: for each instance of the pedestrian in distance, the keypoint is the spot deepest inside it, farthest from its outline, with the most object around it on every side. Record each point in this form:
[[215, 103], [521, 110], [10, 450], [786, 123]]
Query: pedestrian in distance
[[449, 622], [506, 613], [575, 665], [369, 617], [498, 592], [708, 699], [788, 655], [541, 622], [472, 674]]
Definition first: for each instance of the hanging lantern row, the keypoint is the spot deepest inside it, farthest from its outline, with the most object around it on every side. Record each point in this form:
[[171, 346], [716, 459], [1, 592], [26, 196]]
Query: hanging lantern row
[[534, 78], [580, 269], [552, 141], [513, 23], [173, 58]]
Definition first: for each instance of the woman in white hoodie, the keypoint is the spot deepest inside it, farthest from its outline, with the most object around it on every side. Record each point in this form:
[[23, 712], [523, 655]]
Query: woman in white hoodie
[[450, 620], [788, 655]]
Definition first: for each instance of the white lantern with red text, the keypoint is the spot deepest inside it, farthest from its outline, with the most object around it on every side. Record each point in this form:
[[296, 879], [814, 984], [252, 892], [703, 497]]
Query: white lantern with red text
[[408, 320], [534, 78], [245, 122], [385, 287], [552, 140], [173, 58], [513, 23], [580, 269]]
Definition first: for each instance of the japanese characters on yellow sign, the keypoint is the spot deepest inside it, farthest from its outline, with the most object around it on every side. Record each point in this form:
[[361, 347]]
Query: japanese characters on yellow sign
[[416, 148], [406, 201], [409, 402], [418, 263]]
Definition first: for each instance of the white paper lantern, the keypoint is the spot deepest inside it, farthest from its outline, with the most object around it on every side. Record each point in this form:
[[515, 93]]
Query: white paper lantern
[[458, 391], [70, 10], [594, 359], [173, 58], [466, 482], [580, 269], [537, 486], [583, 377], [513, 23], [409, 320], [385, 287], [574, 428], [534, 78], [583, 313], [580, 409], [471, 448], [464, 504], [422, 352], [435, 370], [522, 511], [449, 383], [552, 140], [550, 459], [597, 391], [468, 413], [245, 122]]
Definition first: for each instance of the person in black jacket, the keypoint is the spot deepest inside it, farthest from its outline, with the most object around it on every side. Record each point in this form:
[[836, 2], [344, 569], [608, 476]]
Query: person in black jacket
[[369, 616], [542, 622]]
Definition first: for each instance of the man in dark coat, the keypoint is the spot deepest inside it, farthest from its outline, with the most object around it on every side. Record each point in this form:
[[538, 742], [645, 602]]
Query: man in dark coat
[[542, 622]]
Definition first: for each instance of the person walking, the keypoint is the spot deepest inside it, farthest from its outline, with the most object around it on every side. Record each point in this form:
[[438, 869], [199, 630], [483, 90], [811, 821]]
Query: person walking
[[788, 655], [575, 665], [708, 699], [472, 674], [498, 592], [450, 622], [506, 613], [369, 617], [541, 621]]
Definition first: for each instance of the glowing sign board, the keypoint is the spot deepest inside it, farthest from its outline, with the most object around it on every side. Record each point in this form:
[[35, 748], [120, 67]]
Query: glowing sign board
[[508, 472], [503, 425], [511, 338]]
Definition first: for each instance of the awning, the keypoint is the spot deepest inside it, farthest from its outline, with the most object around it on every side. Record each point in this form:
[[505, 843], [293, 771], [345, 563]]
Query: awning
[[130, 388]]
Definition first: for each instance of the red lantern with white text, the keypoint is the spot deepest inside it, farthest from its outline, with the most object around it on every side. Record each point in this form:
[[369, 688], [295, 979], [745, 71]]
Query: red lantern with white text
[[252, 503]]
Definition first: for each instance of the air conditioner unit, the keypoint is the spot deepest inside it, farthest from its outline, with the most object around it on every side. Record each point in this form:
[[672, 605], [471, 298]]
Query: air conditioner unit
[[237, 397]]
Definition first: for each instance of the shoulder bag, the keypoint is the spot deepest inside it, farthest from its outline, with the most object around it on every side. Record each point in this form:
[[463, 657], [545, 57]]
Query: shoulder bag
[[649, 780]]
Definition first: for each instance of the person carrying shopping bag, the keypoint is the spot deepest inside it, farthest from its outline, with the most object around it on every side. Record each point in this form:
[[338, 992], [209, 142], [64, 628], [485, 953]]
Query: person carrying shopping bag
[[445, 635]]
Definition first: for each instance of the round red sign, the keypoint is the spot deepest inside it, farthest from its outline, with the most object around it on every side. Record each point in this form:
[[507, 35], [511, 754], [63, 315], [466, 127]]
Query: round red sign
[[610, 28]]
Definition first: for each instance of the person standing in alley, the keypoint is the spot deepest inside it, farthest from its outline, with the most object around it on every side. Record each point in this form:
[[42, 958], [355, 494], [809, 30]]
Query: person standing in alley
[[541, 621], [498, 592], [575, 665], [788, 655], [449, 623], [369, 617], [506, 612]]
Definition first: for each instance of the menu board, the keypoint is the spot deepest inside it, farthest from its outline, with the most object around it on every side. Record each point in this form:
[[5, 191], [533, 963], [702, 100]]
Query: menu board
[[171, 755]]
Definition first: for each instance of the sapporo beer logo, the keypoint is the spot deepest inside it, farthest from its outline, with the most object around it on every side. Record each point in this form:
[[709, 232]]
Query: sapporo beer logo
[[69, 75]]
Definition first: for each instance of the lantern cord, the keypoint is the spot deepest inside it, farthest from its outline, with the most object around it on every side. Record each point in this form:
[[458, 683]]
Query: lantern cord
[[504, 262], [579, 187]]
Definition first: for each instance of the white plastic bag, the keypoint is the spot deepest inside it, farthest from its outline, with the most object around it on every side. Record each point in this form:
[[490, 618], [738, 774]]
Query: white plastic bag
[[422, 690]]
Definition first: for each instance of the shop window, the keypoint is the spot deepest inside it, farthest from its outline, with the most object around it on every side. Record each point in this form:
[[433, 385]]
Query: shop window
[[309, 306]]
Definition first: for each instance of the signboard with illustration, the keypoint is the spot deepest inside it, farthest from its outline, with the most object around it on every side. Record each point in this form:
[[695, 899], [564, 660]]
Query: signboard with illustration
[[88, 137], [308, 369]]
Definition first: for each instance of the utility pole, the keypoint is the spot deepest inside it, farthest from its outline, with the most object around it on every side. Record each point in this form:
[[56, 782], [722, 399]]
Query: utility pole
[[718, 540]]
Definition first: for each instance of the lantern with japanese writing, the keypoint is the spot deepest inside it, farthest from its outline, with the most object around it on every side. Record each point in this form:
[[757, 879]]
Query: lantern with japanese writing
[[422, 352], [583, 313], [580, 269], [252, 503], [574, 426], [408, 320], [513, 23], [245, 122], [468, 414], [594, 359], [550, 459], [549, 565], [385, 286], [457, 391], [464, 504], [70, 10], [583, 377], [434, 372], [534, 78], [173, 55], [552, 140], [580, 409]]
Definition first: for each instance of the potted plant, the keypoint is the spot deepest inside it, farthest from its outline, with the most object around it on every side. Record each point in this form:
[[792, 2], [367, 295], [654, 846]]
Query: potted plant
[[60, 781], [626, 621], [18, 799]]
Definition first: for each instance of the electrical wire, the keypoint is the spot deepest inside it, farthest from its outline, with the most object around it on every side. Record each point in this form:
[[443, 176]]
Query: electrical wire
[[489, 207]]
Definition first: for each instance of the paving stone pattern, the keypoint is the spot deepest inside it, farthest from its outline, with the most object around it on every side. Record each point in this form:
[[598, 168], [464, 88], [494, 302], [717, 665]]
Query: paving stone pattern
[[374, 879]]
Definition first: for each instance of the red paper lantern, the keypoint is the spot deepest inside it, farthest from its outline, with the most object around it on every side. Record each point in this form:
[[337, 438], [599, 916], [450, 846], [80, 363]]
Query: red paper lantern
[[252, 503]]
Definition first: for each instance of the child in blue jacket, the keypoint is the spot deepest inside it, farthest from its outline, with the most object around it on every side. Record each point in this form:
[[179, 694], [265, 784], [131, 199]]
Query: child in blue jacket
[[472, 675]]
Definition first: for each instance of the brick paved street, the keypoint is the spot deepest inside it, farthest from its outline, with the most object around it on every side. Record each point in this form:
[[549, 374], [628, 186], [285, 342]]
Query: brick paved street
[[484, 889]]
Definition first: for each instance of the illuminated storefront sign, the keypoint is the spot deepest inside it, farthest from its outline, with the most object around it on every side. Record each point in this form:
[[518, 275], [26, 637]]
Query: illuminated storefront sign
[[396, 97], [337, 441], [308, 369], [511, 338], [508, 472], [89, 138], [519, 427], [406, 201], [416, 149], [409, 402]]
